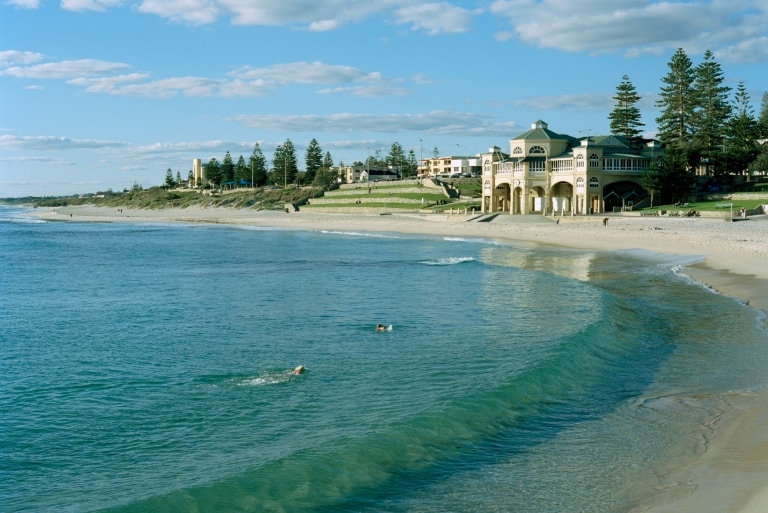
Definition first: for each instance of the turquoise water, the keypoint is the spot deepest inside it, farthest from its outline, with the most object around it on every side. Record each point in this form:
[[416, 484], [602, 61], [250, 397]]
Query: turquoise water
[[145, 367]]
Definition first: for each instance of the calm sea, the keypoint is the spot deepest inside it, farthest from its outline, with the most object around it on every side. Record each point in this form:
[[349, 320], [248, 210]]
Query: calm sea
[[145, 368]]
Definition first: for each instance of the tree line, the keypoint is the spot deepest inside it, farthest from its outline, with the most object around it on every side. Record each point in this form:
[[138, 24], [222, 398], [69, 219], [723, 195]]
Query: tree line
[[318, 167], [700, 125]]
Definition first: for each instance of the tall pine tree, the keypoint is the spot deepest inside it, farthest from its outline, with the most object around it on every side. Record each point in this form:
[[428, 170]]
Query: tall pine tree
[[313, 160], [396, 158], [328, 160], [742, 132], [677, 101], [284, 163], [763, 119], [213, 172], [712, 107], [242, 172], [625, 118], [258, 165], [227, 169]]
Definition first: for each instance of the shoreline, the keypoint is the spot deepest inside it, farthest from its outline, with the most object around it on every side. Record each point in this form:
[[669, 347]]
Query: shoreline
[[728, 257], [733, 256]]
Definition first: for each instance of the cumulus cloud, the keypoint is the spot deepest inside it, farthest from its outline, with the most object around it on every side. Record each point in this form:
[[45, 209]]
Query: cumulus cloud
[[435, 122], [750, 50], [637, 27], [436, 18], [12, 57], [196, 12]]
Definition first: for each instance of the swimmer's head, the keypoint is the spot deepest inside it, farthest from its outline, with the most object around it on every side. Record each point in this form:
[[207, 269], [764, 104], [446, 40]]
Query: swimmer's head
[[299, 369]]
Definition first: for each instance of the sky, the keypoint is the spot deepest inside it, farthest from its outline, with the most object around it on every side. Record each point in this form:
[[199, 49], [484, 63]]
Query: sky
[[105, 94]]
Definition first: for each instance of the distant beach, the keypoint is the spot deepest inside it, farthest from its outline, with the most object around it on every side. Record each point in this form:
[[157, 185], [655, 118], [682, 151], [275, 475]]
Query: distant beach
[[729, 257]]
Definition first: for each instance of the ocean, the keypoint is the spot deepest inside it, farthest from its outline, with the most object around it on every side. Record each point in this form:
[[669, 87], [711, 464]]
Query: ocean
[[146, 368]]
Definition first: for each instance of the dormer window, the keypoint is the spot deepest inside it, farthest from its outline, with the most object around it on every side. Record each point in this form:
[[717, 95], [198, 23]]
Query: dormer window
[[537, 150], [517, 151]]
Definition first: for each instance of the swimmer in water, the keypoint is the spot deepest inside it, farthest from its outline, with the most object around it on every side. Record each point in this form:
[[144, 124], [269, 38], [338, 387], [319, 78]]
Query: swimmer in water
[[298, 370], [380, 327]]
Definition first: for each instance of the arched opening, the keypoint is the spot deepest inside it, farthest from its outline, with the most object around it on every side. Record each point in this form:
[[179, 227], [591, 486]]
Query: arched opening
[[620, 196], [503, 198], [536, 199], [562, 198]]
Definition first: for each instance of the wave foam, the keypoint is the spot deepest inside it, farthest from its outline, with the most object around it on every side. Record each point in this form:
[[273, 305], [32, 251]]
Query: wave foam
[[448, 261]]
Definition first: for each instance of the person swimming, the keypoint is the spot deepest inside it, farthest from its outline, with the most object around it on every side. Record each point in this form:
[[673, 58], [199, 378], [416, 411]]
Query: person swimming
[[298, 370], [383, 327]]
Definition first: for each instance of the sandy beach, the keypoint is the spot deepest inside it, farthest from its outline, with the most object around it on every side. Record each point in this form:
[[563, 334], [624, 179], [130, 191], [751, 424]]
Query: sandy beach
[[729, 257]]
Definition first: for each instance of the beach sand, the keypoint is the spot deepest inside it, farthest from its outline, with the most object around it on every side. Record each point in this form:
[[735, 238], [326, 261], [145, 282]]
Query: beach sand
[[729, 257]]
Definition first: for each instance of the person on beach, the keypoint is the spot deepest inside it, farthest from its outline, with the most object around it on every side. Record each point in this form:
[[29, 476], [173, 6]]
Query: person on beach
[[605, 221]]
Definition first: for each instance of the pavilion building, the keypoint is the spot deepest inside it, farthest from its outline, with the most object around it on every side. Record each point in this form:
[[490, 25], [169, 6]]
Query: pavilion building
[[550, 173]]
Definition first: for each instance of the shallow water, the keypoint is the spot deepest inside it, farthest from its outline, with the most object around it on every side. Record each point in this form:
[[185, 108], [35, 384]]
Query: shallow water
[[147, 368]]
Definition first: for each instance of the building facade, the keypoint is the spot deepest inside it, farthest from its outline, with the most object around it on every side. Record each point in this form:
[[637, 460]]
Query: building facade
[[550, 173], [363, 173], [198, 174], [452, 166]]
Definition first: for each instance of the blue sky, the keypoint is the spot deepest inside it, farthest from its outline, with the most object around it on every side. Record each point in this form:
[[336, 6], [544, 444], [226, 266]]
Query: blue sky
[[98, 94]]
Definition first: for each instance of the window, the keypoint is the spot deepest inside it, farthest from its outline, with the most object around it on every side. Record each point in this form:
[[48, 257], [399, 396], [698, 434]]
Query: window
[[537, 150], [579, 161], [594, 182], [594, 160], [580, 184], [517, 151]]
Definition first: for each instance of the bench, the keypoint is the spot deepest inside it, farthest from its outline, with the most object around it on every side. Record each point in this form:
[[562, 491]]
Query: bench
[[723, 205]]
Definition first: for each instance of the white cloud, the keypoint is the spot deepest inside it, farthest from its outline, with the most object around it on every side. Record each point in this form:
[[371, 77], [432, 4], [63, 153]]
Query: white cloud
[[24, 4], [751, 50], [596, 102], [638, 27], [64, 69], [99, 77], [12, 57], [305, 73], [52, 143], [368, 91], [313, 15], [436, 18], [318, 16], [89, 5], [436, 122], [196, 12]]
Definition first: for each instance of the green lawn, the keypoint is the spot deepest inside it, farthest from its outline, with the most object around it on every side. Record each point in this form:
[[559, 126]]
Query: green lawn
[[710, 206]]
